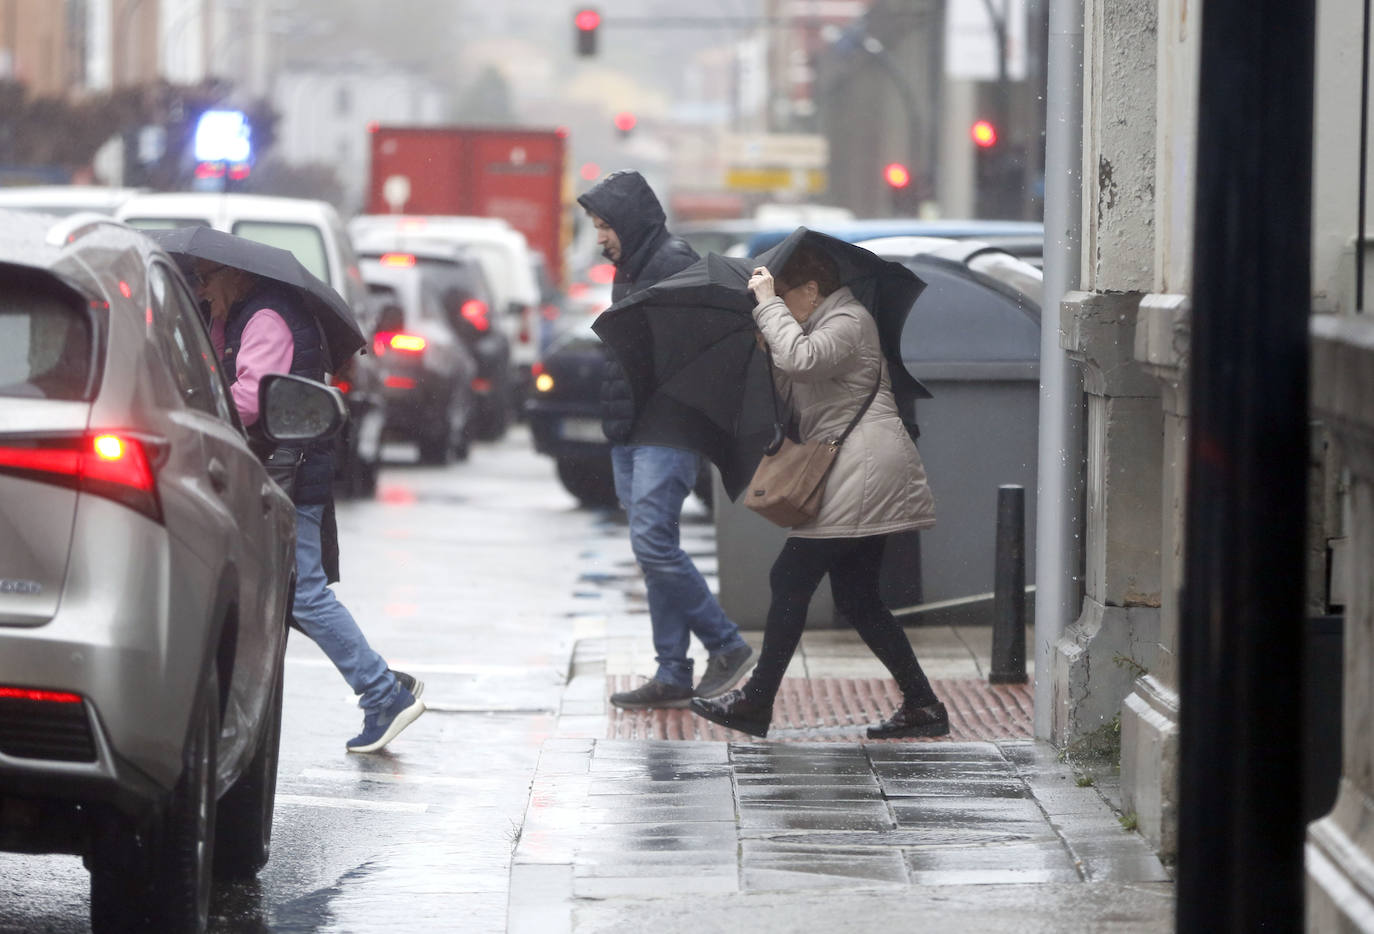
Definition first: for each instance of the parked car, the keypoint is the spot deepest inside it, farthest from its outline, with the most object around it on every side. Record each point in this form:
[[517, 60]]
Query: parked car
[[458, 275], [312, 231], [564, 412], [61, 200], [505, 257], [148, 565], [1023, 239], [427, 369]]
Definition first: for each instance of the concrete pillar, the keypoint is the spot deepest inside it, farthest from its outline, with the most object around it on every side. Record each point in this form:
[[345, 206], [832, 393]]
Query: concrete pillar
[[1340, 847], [1149, 715], [1116, 637]]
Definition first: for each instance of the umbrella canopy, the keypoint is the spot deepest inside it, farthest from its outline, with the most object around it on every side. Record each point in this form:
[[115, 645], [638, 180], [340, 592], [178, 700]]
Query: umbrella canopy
[[697, 375], [342, 335]]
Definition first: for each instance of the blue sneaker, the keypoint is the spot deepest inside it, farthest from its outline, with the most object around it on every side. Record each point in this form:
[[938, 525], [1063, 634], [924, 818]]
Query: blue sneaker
[[385, 724], [411, 683]]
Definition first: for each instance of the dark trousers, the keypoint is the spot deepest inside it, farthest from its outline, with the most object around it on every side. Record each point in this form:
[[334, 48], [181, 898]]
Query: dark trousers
[[854, 565]]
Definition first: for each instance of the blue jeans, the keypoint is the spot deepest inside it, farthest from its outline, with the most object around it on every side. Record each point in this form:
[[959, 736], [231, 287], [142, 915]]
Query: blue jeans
[[327, 621], [652, 482]]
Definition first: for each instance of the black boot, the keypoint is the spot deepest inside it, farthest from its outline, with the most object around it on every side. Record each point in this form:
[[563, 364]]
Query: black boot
[[910, 720], [736, 711]]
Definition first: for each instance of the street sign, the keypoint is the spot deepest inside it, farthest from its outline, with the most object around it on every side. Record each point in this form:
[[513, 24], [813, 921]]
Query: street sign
[[809, 181], [776, 150]]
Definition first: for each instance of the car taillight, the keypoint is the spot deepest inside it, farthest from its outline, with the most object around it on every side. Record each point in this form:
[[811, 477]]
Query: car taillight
[[543, 382], [40, 696], [474, 311], [480, 385], [344, 386], [549, 311], [112, 465], [400, 382], [398, 259], [385, 341]]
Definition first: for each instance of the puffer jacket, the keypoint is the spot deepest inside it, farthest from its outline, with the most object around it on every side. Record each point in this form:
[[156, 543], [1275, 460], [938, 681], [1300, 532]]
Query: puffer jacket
[[648, 254], [825, 369]]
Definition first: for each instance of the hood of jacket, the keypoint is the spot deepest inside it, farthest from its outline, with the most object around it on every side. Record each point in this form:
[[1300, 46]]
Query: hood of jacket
[[625, 201]]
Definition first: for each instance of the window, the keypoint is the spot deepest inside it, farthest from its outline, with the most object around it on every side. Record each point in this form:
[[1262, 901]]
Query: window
[[189, 354], [304, 240], [45, 341]]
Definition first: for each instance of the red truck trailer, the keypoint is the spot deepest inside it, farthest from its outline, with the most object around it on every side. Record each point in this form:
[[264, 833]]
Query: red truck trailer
[[506, 172]]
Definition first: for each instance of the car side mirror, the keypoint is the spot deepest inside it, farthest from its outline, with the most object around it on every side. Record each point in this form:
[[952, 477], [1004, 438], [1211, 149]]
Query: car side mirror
[[295, 409]]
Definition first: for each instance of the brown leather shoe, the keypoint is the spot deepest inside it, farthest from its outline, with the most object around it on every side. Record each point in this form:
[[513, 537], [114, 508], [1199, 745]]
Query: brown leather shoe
[[931, 720], [732, 709]]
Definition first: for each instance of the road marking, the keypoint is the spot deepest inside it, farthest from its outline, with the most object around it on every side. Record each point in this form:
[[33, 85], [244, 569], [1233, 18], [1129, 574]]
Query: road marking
[[352, 804]]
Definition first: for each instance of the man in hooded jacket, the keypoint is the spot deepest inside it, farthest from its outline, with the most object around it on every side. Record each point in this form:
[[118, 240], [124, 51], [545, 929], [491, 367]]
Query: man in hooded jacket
[[652, 478]]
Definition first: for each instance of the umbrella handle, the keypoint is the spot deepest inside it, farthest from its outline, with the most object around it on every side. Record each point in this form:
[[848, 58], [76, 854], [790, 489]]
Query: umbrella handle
[[778, 437]]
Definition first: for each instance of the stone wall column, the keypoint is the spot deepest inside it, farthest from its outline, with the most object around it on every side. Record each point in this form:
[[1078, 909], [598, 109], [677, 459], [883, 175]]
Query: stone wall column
[[1149, 715], [1116, 637], [1340, 846]]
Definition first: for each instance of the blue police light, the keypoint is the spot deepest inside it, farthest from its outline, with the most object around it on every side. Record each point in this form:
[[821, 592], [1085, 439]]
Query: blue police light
[[223, 136]]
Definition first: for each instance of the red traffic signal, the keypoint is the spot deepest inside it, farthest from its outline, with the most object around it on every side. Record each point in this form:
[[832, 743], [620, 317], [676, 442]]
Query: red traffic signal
[[585, 23], [984, 134], [896, 175], [625, 122]]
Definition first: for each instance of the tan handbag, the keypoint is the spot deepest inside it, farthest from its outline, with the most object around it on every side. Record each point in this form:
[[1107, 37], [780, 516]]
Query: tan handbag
[[788, 483]]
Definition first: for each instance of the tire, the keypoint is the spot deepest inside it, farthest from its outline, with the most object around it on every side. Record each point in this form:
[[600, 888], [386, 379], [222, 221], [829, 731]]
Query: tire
[[492, 417], [243, 820], [435, 442], [166, 887], [590, 480]]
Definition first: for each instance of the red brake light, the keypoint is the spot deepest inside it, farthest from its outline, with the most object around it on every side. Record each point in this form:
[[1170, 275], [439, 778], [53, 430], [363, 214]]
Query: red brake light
[[480, 385], [344, 386], [397, 259], [474, 311], [32, 694], [384, 341], [536, 368], [115, 466], [400, 382]]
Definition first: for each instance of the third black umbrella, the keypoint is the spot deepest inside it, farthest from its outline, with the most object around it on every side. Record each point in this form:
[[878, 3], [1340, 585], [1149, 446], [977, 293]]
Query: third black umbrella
[[342, 334]]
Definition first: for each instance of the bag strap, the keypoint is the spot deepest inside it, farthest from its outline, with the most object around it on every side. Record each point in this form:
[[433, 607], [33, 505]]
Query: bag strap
[[777, 416], [863, 408]]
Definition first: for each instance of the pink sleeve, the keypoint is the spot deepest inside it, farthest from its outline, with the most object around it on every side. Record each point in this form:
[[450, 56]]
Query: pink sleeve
[[266, 348]]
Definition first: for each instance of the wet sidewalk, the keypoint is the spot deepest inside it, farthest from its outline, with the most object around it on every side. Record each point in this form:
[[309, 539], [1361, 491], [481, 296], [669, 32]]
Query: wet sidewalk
[[659, 821]]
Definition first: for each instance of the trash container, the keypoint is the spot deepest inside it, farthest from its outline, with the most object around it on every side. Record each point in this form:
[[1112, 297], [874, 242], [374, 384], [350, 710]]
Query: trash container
[[973, 338]]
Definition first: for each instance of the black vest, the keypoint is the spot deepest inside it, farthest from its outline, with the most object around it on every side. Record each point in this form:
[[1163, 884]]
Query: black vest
[[315, 476]]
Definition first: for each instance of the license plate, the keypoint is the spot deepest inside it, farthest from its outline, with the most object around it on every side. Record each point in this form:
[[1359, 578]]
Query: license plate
[[581, 429]]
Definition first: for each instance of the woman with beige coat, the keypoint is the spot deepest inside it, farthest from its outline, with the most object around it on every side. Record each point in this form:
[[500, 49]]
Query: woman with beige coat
[[827, 358]]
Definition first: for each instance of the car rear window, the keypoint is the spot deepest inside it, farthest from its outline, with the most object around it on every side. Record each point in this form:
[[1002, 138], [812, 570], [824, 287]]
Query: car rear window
[[45, 342], [304, 240]]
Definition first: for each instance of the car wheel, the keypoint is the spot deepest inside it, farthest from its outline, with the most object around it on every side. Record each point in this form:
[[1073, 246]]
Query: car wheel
[[435, 438], [492, 418], [243, 822], [166, 887], [590, 480]]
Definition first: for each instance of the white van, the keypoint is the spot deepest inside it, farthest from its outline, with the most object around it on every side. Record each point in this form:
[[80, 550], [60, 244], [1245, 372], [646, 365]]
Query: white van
[[506, 261], [312, 231]]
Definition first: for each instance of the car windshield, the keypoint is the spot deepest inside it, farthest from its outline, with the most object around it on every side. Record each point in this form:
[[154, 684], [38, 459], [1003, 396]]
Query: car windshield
[[45, 343], [304, 240]]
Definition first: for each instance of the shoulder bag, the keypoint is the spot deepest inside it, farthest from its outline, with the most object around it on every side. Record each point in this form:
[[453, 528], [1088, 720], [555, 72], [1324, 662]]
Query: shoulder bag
[[787, 485]]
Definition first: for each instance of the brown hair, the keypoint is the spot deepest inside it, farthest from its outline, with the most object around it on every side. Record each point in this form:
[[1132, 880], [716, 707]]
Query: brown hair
[[808, 264]]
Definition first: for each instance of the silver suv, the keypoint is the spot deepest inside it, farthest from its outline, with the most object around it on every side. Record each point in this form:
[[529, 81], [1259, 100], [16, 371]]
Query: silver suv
[[146, 568]]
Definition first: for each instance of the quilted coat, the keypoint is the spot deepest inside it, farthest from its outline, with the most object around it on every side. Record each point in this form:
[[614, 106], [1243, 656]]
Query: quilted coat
[[825, 369]]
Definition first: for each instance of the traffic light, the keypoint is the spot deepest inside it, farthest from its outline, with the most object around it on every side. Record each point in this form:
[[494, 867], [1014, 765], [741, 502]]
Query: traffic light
[[899, 186], [999, 171], [896, 175], [624, 123], [585, 23]]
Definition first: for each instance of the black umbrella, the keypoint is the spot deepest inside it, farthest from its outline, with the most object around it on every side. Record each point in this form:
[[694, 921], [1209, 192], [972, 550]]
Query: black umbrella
[[697, 375], [342, 335]]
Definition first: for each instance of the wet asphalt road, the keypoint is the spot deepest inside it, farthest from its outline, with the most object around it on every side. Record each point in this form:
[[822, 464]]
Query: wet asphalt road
[[465, 576]]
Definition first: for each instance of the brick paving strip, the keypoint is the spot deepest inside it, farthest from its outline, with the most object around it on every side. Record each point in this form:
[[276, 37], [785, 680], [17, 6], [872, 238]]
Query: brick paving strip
[[836, 710]]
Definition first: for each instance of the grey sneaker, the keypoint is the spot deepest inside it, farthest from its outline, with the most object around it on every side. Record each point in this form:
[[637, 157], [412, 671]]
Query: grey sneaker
[[723, 671], [411, 683], [653, 694]]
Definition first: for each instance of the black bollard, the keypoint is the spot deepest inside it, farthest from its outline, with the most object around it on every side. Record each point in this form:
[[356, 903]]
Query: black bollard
[[1009, 589]]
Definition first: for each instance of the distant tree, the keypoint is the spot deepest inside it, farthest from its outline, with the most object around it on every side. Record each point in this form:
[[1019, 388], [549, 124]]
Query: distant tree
[[487, 99]]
